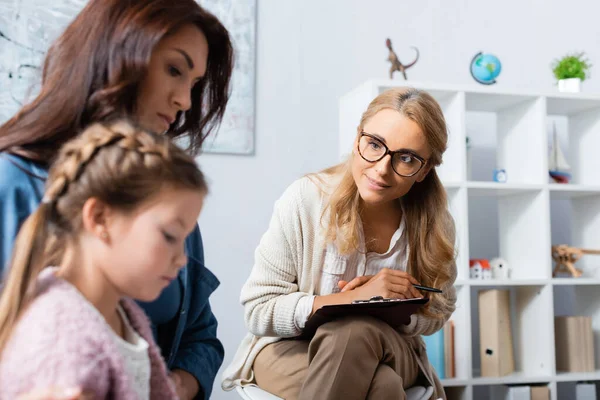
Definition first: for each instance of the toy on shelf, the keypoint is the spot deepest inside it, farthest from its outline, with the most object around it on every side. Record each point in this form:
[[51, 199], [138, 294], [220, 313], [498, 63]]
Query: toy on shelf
[[566, 256], [396, 64], [480, 269], [500, 175], [558, 168], [500, 268], [485, 68]]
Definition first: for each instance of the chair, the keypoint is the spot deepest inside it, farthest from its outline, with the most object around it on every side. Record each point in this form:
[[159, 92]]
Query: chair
[[253, 392]]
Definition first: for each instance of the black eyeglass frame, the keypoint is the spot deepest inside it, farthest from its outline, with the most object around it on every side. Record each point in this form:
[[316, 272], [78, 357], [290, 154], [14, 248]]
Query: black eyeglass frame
[[391, 153]]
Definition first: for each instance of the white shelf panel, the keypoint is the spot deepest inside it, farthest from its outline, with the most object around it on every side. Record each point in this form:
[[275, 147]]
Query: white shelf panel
[[494, 102], [488, 90], [515, 378], [499, 189], [520, 378], [507, 282], [577, 376], [569, 191], [452, 382], [439, 92], [575, 281], [513, 219], [452, 185], [571, 103]]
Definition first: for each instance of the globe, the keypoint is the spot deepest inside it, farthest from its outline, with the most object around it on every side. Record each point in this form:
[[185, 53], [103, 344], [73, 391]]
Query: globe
[[485, 68]]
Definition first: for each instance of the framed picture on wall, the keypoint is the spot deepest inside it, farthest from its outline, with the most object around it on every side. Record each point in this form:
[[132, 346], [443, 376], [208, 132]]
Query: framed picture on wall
[[28, 27]]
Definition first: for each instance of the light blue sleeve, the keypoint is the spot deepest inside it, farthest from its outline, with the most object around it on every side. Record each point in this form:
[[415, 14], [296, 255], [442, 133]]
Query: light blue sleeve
[[19, 197]]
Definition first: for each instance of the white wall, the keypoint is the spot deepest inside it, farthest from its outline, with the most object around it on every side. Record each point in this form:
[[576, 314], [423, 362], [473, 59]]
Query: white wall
[[310, 52]]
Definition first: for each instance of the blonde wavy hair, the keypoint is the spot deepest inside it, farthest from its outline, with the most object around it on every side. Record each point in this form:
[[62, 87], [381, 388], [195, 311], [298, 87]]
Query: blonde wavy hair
[[118, 164], [429, 225]]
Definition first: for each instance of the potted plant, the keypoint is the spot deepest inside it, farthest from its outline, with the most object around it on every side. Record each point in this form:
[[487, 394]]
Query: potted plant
[[570, 71]]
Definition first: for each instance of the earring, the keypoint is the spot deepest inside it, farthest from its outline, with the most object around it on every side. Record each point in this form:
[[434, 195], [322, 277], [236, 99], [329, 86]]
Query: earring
[[104, 235]]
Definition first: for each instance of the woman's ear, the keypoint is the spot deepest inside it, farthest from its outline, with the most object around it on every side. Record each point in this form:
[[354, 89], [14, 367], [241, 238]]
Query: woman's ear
[[423, 173], [95, 216]]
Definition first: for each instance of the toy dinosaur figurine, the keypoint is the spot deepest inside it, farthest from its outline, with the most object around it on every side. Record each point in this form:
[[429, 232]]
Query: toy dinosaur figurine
[[396, 64], [565, 258]]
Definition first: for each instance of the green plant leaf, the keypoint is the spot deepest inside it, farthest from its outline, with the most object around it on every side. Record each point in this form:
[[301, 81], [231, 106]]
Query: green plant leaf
[[572, 66]]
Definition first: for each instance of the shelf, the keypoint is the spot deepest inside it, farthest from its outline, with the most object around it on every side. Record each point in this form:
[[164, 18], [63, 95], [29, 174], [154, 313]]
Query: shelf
[[455, 382], [575, 281], [530, 315], [494, 102], [439, 92], [568, 390], [577, 376], [579, 140], [571, 103], [462, 333], [452, 185], [452, 105], [575, 221], [507, 282], [501, 391], [517, 220], [520, 378], [504, 133], [480, 188], [512, 379], [458, 210], [458, 392], [509, 227], [579, 301], [568, 191], [557, 191], [580, 100]]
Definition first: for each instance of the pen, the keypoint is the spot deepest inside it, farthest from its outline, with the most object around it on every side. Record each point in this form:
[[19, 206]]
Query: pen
[[427, 289]]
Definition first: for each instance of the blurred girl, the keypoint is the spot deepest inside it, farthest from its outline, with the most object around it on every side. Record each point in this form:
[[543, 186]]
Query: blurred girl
[[118, 205]]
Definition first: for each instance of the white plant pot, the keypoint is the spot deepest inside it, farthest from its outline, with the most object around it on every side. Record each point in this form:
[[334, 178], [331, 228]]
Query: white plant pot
[[571, 85]]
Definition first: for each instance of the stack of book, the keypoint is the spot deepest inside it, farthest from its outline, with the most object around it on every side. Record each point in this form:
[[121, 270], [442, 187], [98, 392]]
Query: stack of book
[[520, 392], [574, 344]]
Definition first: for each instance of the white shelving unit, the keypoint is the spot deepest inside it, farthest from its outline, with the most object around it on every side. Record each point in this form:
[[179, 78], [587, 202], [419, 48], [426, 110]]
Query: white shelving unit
[[514, 219]]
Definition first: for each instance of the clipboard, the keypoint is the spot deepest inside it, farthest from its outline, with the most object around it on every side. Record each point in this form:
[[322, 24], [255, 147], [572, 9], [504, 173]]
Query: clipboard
[[395, 313]]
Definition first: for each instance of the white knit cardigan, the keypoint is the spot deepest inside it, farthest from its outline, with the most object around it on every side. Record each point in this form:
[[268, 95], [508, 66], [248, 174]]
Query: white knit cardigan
[[289, 261]]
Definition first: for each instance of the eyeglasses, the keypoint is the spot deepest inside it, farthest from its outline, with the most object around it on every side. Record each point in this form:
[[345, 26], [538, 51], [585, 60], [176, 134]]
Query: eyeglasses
[[404, 163]]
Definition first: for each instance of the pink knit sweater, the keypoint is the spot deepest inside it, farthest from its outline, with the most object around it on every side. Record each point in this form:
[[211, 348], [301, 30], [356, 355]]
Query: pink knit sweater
[[61, 340]]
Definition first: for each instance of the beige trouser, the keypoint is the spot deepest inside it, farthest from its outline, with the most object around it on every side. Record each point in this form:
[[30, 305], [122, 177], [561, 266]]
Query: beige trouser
[[352, 358]]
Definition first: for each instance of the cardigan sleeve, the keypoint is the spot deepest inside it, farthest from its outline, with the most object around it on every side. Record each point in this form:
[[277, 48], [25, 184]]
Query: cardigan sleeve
[[424, 325], [50, 348], [271, 293]]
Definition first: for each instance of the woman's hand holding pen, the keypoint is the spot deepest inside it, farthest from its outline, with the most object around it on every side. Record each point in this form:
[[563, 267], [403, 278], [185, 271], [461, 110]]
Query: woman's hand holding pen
[[388, 283]]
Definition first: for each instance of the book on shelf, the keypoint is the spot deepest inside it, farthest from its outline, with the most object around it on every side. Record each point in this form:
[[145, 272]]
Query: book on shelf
[[449, 364], [440, 351], [540, 392], [520, 392], [585, 391], [574, 344], [495, 333]]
